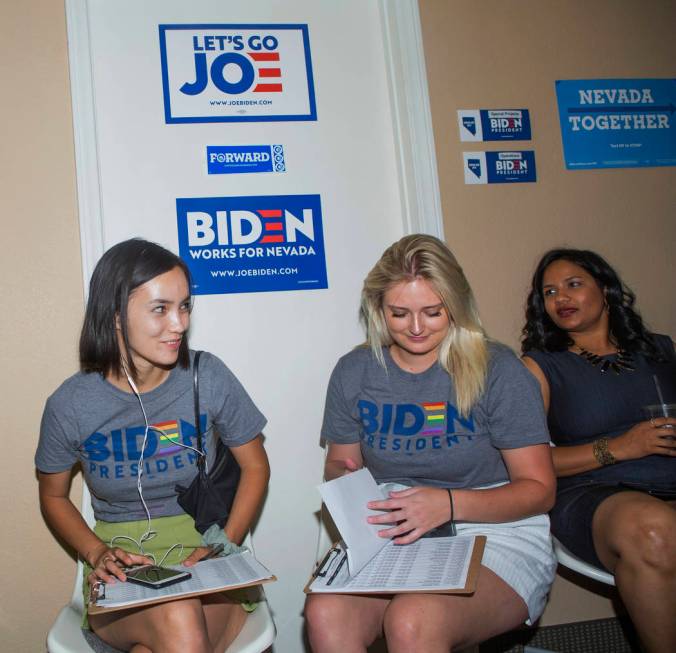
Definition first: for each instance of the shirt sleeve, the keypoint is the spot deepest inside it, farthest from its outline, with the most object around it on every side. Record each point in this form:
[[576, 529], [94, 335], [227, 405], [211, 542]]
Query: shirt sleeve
[[339, 424], [56, 451], [235, 416], [514, 404]]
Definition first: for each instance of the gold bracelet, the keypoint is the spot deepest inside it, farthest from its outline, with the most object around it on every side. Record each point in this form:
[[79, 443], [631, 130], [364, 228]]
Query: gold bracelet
[[602, 453]]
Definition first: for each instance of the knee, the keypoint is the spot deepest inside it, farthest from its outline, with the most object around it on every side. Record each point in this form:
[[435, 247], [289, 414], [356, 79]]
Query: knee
[[322, 619], [181, 628], [402, 632], [650, 539], [406, 630]]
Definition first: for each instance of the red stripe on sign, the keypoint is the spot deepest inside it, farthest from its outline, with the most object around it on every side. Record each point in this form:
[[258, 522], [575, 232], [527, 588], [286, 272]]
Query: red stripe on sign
[[264, 56], [267, 88], [269, 213], [272, 239], [274, 226], [269, 72]]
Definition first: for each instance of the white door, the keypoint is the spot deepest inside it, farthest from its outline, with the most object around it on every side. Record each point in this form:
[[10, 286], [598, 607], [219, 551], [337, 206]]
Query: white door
[[353, 124]]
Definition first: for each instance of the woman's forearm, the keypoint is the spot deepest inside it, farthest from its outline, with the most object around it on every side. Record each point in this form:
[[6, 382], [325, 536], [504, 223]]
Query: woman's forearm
[[248, 499], [333, 469], [575, 459], [642, 439], [342, 459], [516, 500]]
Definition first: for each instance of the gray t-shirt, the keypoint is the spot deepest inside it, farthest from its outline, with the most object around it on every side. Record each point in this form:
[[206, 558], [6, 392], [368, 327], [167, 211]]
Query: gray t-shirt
[[91, 421], [410, 429]]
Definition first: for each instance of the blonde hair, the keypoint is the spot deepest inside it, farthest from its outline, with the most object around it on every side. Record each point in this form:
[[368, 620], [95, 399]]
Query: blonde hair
[[463, 352]]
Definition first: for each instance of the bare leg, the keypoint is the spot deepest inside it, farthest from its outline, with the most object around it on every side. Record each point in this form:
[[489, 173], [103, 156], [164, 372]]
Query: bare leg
[[635, 537], [439, 623], [338, 623], [173, 627], [224, 618], [181, 626], [414, 622]]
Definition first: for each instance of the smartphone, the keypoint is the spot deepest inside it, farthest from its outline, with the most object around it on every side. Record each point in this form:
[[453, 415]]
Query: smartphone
[[154, 576]]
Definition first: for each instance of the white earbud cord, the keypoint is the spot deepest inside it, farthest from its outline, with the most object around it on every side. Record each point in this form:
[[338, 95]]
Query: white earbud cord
[[149, 533]]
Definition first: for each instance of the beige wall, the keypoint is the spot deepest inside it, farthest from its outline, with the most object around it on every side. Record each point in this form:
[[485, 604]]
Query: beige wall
[[41, 281], [496, 54], [473, 52], [507, 55]]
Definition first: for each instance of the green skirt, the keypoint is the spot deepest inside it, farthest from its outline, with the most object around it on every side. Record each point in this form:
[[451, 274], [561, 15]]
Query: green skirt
[[169, 531]]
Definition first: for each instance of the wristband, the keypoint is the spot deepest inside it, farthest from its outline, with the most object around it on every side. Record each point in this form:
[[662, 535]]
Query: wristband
[[450, 521]]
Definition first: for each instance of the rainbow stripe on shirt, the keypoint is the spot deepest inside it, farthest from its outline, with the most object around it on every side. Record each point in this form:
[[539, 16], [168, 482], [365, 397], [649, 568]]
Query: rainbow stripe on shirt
[[170, 436], [435, 418]]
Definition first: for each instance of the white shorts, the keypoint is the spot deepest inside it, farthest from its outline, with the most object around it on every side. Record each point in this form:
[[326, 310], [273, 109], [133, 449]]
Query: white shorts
[[519, 552]]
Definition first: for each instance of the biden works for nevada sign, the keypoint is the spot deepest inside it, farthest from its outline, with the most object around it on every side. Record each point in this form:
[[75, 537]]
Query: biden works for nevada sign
[[252, 244]]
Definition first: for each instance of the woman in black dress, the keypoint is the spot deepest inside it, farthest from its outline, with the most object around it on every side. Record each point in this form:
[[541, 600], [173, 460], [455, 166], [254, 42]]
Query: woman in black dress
[[598, 368]]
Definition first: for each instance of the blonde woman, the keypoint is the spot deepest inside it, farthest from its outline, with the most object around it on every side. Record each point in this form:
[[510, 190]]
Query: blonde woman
[[456, 423]]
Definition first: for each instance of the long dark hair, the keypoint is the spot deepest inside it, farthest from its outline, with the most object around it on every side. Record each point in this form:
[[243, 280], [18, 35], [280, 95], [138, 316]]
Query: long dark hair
[[626, 326], [122, 269]]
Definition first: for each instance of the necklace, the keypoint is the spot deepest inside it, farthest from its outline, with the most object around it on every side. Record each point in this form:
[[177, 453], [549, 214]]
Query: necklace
[[623, 362]]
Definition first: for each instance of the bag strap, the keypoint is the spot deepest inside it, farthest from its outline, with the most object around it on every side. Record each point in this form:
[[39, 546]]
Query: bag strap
[[196, 398]]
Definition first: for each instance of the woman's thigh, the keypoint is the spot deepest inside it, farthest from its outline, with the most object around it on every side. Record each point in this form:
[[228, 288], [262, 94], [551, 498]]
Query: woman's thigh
[[185, 626], [446, 621], [573, 515], [623, 521]]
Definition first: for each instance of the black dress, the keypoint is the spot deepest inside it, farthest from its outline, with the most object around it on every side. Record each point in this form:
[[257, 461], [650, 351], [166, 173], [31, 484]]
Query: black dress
[[585, 405]]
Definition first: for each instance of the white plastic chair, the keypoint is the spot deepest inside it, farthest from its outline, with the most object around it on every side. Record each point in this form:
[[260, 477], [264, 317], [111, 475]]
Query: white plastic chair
[[570, 560], [65, 636]]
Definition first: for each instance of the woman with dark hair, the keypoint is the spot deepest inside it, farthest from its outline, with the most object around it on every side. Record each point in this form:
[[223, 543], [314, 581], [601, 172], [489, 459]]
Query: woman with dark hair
[[128, 418], [598, 368], [452, 423]]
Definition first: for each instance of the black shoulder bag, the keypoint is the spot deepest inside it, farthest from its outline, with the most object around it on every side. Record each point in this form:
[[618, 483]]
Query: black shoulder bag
[[208, 499]]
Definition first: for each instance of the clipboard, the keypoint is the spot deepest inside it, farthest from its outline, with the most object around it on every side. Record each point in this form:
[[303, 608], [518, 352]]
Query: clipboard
[[207, 579], [333, 563]]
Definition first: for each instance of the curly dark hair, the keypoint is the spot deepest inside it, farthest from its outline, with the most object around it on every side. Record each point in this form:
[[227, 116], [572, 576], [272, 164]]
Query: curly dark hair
[[626, 326]]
